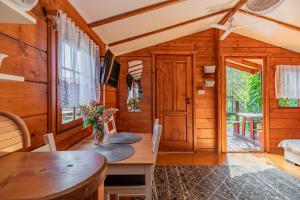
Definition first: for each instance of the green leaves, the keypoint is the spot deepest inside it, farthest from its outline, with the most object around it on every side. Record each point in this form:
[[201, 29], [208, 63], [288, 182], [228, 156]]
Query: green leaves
[[100, 109], [246, 88], [89, 122]]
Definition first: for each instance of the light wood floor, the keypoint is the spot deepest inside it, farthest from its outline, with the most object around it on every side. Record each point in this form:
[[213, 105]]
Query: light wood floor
[[237, 144], [210, 159]]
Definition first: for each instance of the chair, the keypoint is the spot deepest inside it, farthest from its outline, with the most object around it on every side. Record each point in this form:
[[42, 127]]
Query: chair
[[49, 144], [14, 134], [156, 122], [113, 125], [128, 185]]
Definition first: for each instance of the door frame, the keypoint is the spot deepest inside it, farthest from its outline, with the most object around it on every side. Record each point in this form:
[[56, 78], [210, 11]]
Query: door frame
[[153, 85], [222, 143]]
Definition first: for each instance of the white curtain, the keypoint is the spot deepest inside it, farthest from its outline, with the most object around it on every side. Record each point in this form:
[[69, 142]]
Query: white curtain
[[287, 81], [78, 65]]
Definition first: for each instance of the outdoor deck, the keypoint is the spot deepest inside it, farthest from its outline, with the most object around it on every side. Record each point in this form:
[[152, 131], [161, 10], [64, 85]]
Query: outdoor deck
[[238, 144]]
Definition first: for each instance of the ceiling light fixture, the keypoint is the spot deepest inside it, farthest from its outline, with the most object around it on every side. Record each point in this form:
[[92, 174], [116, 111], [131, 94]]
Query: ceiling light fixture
[[263, 7]]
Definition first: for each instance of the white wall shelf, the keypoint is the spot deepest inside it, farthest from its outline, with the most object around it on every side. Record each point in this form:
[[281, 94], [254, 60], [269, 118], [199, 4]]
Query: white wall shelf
[[10, 13]]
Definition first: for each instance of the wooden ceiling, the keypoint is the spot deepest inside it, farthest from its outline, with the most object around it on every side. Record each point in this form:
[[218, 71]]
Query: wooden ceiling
[[106, 27]]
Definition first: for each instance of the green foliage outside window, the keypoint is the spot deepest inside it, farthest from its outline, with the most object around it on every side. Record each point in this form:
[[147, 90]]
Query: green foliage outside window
[[254, 90], [290, 103]]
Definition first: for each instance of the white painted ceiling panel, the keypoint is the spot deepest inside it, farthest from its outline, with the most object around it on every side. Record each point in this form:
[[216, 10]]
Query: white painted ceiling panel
[[268, 32], [158, 19], [93, 10], [287, 12], [165, 36]]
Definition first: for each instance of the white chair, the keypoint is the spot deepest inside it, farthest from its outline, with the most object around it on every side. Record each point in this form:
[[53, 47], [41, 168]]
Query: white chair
[[124, 185], [49, 144], [156, 122], [113, 125]]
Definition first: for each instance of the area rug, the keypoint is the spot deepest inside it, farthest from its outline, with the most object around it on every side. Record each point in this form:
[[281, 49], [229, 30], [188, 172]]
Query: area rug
[[225, 183]]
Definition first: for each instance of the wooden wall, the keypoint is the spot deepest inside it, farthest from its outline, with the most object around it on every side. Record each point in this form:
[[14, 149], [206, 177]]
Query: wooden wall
[[28, 52], [135, 122], [204, 45], [284, 123]]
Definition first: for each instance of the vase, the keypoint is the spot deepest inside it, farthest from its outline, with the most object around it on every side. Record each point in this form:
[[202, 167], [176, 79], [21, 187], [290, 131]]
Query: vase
[[98, 135]]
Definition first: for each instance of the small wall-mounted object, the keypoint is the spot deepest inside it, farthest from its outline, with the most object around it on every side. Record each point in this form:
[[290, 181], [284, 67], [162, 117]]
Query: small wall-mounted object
[[209, 69], [210, 83], [11, 77], [2, 56], [8, 76], [14, 11], [200, 90]]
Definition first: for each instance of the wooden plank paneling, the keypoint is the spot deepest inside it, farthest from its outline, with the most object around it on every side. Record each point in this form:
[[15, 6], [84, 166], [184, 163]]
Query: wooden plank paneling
[[23, 60], [34, 35], [204, 47], [23, 98], [27, 48], [284, 123], [135, 122]]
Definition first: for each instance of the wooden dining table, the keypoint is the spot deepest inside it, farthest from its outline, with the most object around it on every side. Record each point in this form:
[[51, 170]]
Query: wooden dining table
[[141, 163], [64, 175]]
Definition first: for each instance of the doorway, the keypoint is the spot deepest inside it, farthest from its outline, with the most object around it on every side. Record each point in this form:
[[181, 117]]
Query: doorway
[[174, 101], [244, 105]]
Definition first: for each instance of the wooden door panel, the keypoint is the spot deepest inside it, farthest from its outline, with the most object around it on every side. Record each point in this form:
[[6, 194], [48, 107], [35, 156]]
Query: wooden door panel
[[174, 128], [180, 86], [165, 88], [173, 88]]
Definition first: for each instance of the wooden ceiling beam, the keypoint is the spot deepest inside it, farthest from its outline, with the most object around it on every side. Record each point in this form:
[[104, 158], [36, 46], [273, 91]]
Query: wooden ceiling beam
[[248, 63], [284, 24], [134, 12], [232, 11], [241, 67], [167, 28]]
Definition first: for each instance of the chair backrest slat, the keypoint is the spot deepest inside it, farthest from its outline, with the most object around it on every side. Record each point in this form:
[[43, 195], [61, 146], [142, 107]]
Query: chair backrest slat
[[14, 134], [156, 122], [49, 144], [113, 125], [157, 133]]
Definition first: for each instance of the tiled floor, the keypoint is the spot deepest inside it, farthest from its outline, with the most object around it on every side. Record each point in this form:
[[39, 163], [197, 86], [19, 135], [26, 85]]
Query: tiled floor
[[229, 159]]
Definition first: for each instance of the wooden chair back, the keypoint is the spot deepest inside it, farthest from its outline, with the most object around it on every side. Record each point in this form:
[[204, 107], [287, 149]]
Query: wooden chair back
[[157, 134], [111, 123], [14, 134], [49, 144]]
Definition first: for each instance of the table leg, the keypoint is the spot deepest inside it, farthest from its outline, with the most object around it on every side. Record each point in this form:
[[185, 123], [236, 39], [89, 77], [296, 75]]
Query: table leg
[[148, 181]]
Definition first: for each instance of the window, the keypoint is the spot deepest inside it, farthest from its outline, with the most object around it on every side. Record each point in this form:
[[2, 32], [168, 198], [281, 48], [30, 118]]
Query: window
[[288, 103], [69, 113], [287, 84], [78, 71]]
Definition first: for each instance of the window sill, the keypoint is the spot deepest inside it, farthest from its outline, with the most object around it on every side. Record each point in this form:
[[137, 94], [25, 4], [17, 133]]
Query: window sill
[[69, 125]]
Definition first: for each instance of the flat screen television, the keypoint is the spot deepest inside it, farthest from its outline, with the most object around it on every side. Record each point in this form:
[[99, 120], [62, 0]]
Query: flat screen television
[[113, 76], [106, 66]]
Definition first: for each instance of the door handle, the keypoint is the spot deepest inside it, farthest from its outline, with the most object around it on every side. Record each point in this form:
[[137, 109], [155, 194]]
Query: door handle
[[188, 100]]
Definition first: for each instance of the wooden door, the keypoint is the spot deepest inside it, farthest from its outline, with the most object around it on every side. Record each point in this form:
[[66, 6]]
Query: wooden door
[[174, 106]]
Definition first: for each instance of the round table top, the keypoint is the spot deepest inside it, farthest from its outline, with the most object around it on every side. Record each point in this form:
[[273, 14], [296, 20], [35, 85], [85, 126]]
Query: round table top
[[51, 175]]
